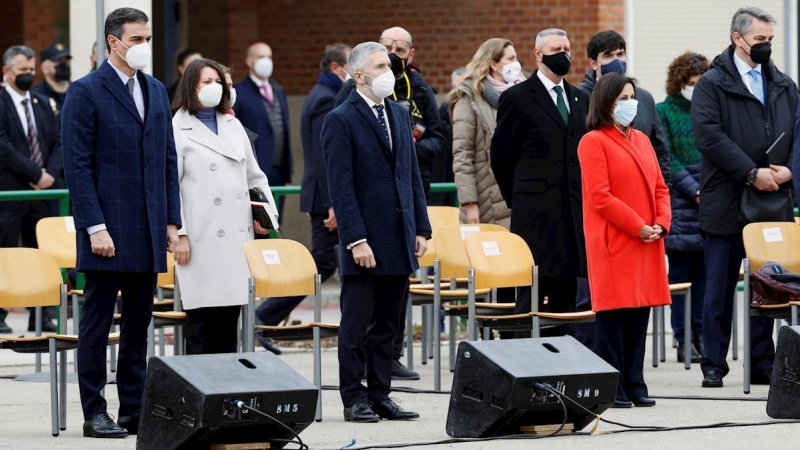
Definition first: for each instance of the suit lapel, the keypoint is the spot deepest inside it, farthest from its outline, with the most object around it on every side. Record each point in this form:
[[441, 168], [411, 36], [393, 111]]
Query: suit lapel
[[545, 101], [629, 147], [11, 111], [259, 99], [395, 126], [574, 108], [118, 89], [199, 133], [369, 116], [148, 91]]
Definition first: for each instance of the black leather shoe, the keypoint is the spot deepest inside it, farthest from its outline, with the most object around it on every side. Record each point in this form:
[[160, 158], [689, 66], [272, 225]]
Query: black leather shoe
[[762, 378], [697, 358], [712, 379], [401, 372], [4, 328], [103, 426], [390, 410], [619, 404], [269, 344], [698, 345], [360, 412], [130, 423], [643, 402], [47, 326]]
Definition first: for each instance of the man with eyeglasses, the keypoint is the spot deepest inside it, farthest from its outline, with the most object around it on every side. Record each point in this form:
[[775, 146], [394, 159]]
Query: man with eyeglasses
[[418, 97]]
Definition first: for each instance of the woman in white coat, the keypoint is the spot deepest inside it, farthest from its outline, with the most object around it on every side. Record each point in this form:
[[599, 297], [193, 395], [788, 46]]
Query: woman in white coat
[[216, 168]]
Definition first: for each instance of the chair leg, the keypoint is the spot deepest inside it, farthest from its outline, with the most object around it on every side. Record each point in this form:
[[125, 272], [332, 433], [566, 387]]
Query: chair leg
[[318, 372], [53, 388], [794, 315], [76, 327], [178, 341], [410, 336], [433, 331], [424, 335], [62, 386], [655, 337], [662, 334], [453, 327], [113, 350], [687, 330], [151, 341], [162, 342], [38, 327], [745, 325], [735, 327]]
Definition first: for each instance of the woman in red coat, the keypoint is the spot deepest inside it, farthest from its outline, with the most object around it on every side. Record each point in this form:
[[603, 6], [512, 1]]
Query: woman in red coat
[[626, 214]]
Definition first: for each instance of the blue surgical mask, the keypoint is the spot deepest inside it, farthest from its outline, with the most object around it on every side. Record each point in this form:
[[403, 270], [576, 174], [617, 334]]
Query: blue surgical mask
[[625, 111], [617, 65]]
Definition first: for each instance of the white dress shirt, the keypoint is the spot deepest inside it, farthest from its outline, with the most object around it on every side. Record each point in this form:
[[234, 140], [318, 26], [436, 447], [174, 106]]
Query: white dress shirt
[[17, 99], [744, 72], [549, 85], [260, 83], [138, 99], [371, 105]]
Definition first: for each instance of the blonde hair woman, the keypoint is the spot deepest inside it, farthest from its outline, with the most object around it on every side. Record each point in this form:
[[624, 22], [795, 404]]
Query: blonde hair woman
[[493, 69]]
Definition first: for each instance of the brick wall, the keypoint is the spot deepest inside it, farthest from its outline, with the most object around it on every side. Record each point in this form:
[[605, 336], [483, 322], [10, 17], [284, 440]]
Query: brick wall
[[446, 32], [29, 22]]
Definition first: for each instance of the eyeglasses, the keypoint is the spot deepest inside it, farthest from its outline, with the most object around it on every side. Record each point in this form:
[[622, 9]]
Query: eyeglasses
[[401, 44]]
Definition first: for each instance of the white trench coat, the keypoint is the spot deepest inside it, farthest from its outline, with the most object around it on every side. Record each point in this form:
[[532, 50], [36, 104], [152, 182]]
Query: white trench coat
[[216, 172]]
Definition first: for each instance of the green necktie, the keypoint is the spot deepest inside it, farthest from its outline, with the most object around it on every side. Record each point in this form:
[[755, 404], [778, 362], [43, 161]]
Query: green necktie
[[560, 104]]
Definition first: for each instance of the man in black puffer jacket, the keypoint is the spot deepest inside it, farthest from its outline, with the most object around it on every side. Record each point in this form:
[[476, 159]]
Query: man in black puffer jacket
[[739, 108]]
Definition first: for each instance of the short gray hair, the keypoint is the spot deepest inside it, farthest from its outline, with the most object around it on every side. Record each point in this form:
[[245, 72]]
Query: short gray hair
[[548, 32], [742, 21], [16, 50], [359, 57]]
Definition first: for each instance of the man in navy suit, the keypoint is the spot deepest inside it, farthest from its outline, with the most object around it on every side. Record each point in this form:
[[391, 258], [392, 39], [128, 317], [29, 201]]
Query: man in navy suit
[[261, 107], [30, 158], [314, 198], [121, 169], [379, 202]]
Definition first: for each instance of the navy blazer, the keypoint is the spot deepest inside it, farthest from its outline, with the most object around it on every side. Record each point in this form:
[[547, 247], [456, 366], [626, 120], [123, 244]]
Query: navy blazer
[[252, 113], [376, 191], [314, 197], [121, 170], [17, 169]]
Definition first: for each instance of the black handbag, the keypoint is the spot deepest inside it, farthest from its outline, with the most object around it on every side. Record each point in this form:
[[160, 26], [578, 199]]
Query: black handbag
[[765, 206], [260, 212]]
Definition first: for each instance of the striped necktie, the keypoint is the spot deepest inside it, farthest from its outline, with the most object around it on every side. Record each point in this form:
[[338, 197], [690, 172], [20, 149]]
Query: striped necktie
[[33, 140]]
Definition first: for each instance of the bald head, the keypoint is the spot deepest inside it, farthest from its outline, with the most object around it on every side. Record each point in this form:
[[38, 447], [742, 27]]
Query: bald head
[[258, 51], [397, 33], [398, 40]]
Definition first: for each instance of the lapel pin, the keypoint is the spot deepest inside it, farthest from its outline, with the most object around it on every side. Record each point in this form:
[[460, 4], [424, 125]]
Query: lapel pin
[[576, 99], [35, 100]]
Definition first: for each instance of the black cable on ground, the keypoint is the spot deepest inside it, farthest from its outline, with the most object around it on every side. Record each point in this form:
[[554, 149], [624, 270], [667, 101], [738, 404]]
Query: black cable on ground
[[297, 440]]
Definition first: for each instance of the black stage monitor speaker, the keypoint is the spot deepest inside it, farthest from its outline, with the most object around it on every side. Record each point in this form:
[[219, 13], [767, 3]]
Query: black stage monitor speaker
[[493, 392], [783, 401], [188, 401]]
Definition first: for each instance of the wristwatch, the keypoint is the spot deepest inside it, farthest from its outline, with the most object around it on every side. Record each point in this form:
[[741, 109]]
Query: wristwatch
[[752, 177]]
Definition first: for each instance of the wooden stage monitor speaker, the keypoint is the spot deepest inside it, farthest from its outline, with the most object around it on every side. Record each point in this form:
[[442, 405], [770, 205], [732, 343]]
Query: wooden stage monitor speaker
[[783, 401], [493, 388], [188, 401]]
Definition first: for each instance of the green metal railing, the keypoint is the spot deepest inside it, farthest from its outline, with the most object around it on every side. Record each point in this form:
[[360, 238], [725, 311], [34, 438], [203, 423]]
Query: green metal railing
[[281, 191], [47, 194]]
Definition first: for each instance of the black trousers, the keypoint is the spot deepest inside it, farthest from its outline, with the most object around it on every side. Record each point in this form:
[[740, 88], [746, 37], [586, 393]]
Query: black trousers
[[20, 222], [687, 267], [620, 340], [371, 308], [723, 256], [323, 250], [584, 332], [98, 311], [212, 330], [556, 294]]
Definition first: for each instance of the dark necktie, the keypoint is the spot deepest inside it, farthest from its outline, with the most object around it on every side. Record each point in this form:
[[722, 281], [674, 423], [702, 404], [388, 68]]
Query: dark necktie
[[130, 86], [560, 104], [382, 120], [33, 140]]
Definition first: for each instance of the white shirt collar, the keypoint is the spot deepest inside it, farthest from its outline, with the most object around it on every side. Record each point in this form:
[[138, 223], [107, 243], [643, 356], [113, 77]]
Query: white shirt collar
[[369, 101], [259, 82], [743, 67], [16, 97], [122, 75], [548, 84]]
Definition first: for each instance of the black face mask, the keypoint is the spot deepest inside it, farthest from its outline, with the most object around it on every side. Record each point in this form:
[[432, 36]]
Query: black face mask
[[24, 81], [760, 53], [399, 65], [63, 72], [559, 63]]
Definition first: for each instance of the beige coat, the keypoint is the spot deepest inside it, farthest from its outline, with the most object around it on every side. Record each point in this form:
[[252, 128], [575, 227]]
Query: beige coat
[[216, 173], [474, 122]]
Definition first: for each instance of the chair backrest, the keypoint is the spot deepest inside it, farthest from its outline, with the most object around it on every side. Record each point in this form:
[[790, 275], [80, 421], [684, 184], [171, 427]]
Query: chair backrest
[[442, 216], [29, 277], [56, 236], [167, 277], [499, 260], [450, 249], [773, 241], [281, 267]]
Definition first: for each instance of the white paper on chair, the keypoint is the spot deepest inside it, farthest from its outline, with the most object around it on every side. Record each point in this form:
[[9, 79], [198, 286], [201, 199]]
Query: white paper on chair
[[467, 230], [69, 221], [490, 248], [271, 257], [773, 235]]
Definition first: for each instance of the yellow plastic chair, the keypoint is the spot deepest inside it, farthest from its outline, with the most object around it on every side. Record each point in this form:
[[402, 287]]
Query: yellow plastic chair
[[500, 260], [30, 277], [285, 268], [767, 241]]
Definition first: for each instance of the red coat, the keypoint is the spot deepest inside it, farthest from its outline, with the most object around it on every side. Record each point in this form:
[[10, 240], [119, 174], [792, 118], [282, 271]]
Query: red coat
[[622, 191]]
